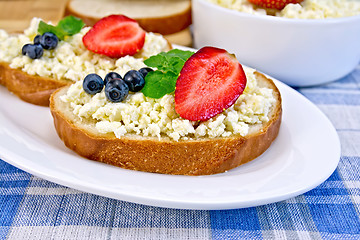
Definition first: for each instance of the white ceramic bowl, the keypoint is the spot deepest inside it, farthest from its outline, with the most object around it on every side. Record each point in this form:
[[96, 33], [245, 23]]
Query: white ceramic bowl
[[299, 52]]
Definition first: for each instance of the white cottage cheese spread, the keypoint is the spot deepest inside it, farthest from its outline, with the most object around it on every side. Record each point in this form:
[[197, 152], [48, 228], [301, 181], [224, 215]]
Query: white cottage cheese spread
[[70, 60], [157, 117], [308, 9]]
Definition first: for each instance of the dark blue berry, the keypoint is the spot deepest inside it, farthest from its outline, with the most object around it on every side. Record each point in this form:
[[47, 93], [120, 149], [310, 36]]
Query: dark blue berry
[[111, 75], [37, 39], [49, 40], [144, 71], [116, 90], [24, 49], [34, 51], [93, 84], [134, 80]]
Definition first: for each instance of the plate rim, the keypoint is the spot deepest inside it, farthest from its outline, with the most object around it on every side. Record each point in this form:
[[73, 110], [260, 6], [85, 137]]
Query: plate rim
[[13, 159]]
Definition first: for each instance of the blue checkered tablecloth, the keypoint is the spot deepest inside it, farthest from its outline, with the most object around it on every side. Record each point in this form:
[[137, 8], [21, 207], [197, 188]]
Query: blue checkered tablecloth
[[32, 208]]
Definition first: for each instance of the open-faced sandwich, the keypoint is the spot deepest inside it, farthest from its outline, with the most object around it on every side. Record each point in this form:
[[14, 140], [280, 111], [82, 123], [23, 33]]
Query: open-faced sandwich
[[185, 114], [46, 57]]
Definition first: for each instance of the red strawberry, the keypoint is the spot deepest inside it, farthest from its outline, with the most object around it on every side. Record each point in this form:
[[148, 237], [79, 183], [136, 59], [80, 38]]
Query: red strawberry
[[275, 4], [210, 82], [115, 36]]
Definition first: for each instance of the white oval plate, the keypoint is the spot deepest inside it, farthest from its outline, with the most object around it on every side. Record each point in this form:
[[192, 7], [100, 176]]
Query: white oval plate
[[305, 153]]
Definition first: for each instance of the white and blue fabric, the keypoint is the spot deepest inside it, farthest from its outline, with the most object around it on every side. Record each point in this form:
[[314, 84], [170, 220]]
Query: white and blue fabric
[[33, 208]]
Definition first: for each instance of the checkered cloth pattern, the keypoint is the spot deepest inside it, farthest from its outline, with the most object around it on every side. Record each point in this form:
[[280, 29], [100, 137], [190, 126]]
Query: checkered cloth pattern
[[32, 208]]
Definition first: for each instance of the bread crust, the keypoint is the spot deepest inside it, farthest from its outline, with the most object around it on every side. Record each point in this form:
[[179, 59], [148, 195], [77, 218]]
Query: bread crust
[[186, 157], [163, 24], [30, 88], [182, 38]]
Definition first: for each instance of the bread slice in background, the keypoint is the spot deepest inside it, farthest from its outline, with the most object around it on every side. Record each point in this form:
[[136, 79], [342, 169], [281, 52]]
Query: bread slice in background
[[16, 15], [183, 38], [150, 154], [160, 16]]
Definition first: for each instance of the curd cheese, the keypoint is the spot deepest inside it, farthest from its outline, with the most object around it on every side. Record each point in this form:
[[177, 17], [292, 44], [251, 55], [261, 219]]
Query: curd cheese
[[145, 116], [70, 60], [307, 9]]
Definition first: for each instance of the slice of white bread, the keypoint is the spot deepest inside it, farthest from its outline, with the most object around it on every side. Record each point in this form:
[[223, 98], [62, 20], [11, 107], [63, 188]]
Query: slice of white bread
[[151, 154], [160, 16], [183, 38], [30, 88], [34, 89]]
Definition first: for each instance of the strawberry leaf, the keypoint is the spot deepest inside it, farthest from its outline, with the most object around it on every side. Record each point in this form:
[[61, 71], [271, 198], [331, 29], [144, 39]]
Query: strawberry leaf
[[163, 80]]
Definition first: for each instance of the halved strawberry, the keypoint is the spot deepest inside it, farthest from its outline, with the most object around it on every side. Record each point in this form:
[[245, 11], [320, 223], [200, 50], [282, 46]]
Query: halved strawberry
[[115, 36], [210, 82], [274, 4]]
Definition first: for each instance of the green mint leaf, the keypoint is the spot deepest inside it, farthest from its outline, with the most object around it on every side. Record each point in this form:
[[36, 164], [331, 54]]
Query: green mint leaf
[[157, 61], [176, 64], [71, 25], [66, 27], [163, 80], [44, 27], [166, 60], [184, 55], [158, 84]]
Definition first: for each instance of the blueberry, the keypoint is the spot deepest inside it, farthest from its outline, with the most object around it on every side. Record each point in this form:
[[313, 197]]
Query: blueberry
[[34, 51], [116, 90], [134, 80], [24, 49], [49, 40], [144, 71], [37, 39], [93, 84], [111, 75]]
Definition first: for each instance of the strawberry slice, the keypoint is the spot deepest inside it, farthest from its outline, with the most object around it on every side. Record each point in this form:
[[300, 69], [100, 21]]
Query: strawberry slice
[[115, 36], [210, 82], [274, 4]]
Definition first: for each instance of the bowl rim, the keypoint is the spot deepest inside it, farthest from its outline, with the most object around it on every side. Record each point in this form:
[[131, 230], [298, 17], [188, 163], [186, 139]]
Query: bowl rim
[[268, 18]]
